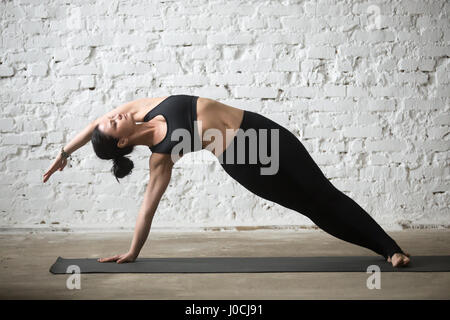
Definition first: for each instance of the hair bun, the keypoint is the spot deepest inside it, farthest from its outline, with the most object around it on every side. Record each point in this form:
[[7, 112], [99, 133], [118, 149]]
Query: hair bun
[[122, 166], [117, 159]]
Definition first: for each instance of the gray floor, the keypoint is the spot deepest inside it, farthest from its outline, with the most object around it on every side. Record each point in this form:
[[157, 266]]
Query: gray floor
[[26, 259]]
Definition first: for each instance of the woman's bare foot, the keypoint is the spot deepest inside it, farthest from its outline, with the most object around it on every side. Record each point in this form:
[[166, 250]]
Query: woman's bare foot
[[399, 259]]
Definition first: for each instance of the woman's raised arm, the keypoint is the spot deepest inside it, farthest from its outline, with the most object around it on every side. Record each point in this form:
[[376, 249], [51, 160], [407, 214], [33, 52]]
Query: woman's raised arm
[[77, 142], [81, 138], [84, 136]]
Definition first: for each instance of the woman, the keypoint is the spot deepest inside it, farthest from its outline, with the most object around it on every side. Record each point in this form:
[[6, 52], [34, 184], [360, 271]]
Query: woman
[[296, 183]]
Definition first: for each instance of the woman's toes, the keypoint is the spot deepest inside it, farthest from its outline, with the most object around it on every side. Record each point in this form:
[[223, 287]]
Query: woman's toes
[[399, 259], [407, 259], [395, 262]]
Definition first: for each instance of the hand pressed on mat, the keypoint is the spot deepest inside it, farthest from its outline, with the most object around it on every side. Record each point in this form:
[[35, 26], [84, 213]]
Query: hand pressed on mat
[[120, 258]]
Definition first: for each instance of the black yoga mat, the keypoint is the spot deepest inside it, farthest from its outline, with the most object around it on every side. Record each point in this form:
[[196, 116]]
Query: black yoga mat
[[251, 264]]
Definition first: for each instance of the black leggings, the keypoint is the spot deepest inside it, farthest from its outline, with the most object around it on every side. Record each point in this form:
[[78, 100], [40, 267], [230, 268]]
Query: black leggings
[[300, 185]]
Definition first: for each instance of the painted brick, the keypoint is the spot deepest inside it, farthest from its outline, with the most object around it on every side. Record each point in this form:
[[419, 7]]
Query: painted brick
[[367, 92]]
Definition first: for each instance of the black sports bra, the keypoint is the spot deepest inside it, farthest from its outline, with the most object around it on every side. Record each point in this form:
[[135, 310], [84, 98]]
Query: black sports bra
[[179, 111]]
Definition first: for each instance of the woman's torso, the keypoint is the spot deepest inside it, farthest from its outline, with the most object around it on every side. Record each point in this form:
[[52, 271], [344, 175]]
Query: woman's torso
[[211, 114]]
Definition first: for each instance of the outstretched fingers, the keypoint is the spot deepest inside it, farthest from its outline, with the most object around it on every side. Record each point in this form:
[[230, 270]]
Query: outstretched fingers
[[57, 165]]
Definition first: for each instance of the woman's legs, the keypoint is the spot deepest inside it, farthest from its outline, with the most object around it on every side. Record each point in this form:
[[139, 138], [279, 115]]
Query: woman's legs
[[339, 215], [300, 185]]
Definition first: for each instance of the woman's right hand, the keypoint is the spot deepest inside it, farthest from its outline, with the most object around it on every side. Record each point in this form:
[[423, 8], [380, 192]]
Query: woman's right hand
[[58, 164], [120, 258]]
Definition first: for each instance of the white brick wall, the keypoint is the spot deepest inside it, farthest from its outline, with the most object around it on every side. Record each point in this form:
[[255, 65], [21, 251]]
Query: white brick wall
[[363, 84]]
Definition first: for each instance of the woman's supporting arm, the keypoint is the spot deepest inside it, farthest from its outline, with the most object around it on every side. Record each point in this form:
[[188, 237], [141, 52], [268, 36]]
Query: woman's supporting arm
[[156, 187], [159, 180]]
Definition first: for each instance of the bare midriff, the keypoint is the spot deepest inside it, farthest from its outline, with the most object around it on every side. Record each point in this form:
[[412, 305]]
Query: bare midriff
[[214, 115]]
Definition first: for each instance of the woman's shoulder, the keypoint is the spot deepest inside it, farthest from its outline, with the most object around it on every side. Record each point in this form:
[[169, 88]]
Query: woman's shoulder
[[143, 106]]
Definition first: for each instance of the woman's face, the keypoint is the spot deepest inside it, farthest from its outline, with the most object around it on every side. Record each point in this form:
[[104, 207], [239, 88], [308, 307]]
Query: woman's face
[[120, 125]]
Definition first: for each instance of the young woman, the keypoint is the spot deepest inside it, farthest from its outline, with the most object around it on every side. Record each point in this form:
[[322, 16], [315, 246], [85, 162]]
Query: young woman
[[296, 183]]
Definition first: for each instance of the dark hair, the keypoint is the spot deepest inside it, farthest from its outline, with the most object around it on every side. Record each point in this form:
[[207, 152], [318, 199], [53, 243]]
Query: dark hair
[[106, 148]]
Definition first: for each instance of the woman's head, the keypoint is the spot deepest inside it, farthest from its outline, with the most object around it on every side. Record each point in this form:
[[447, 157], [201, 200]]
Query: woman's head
[[110, 141]]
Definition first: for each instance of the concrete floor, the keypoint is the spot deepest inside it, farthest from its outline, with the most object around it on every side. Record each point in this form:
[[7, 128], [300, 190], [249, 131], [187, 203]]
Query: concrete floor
[[26, 259]]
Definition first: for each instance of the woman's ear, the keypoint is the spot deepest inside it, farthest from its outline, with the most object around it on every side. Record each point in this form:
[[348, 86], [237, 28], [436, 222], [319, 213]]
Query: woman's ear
[[123, 142]]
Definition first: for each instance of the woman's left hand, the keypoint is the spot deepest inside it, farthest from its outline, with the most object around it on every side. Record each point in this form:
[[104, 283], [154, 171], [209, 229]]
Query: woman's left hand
[[58, 164], [119, 258]]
